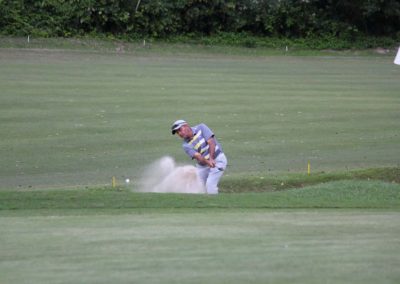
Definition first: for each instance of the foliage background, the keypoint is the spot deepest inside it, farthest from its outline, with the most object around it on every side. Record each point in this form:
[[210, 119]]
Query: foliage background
[[291, 19]]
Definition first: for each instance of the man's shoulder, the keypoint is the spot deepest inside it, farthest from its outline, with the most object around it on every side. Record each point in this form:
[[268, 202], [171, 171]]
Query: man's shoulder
[[200, 126]]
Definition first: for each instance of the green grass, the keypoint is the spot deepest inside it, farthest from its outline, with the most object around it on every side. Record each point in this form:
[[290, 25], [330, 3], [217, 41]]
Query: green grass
[[103, 235], [76, 114], [338, 194], [205, 46], [269, 182], [115, 235], [203, 246], [78, 117]]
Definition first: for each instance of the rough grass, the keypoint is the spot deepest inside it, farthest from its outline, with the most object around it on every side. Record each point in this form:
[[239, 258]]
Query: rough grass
[[336, 194], [186, 46], [267, 182]]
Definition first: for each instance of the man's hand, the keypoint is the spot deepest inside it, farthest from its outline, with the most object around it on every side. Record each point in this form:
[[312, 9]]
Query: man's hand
[[203, 161], [211, 163]]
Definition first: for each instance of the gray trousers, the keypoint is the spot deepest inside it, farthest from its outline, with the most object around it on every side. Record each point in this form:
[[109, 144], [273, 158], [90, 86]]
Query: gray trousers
[[210, 176]]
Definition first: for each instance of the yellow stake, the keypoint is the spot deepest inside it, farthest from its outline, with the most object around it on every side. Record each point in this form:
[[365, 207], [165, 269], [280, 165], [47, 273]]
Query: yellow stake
[[308, 168], [113, 181]]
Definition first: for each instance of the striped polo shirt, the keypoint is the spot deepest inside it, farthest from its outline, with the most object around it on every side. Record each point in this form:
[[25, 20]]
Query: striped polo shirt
[[198, 143]]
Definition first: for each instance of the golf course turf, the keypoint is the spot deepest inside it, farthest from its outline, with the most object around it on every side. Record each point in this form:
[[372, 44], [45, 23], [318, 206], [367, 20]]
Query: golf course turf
[[74, 118]]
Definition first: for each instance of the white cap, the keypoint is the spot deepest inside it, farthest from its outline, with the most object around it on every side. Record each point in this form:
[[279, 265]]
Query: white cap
[[176, 125]]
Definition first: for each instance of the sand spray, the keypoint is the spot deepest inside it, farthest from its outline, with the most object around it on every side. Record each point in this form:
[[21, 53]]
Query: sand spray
[[164, 175]]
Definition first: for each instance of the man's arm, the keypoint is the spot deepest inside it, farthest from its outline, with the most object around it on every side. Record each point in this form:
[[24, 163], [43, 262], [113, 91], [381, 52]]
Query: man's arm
[[211, 150]]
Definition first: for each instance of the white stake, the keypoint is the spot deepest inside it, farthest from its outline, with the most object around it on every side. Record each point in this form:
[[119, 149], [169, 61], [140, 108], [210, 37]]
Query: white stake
[[397, 59]]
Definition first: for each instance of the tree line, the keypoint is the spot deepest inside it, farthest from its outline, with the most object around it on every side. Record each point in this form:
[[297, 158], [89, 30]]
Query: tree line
[[166, 18]]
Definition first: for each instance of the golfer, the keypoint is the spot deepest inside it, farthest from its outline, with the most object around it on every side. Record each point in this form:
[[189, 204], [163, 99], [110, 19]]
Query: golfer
[[199, 143]]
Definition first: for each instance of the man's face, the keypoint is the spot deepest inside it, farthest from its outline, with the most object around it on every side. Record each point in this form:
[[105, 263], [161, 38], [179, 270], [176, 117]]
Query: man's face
[[185, 132]]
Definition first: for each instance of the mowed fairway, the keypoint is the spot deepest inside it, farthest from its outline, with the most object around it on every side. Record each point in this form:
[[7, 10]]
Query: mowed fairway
[[76, 118], [203, 246], [79, 117]]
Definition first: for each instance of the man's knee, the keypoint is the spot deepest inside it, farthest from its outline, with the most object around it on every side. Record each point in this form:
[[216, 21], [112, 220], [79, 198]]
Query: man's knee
[[213, 180], [211, 188]]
